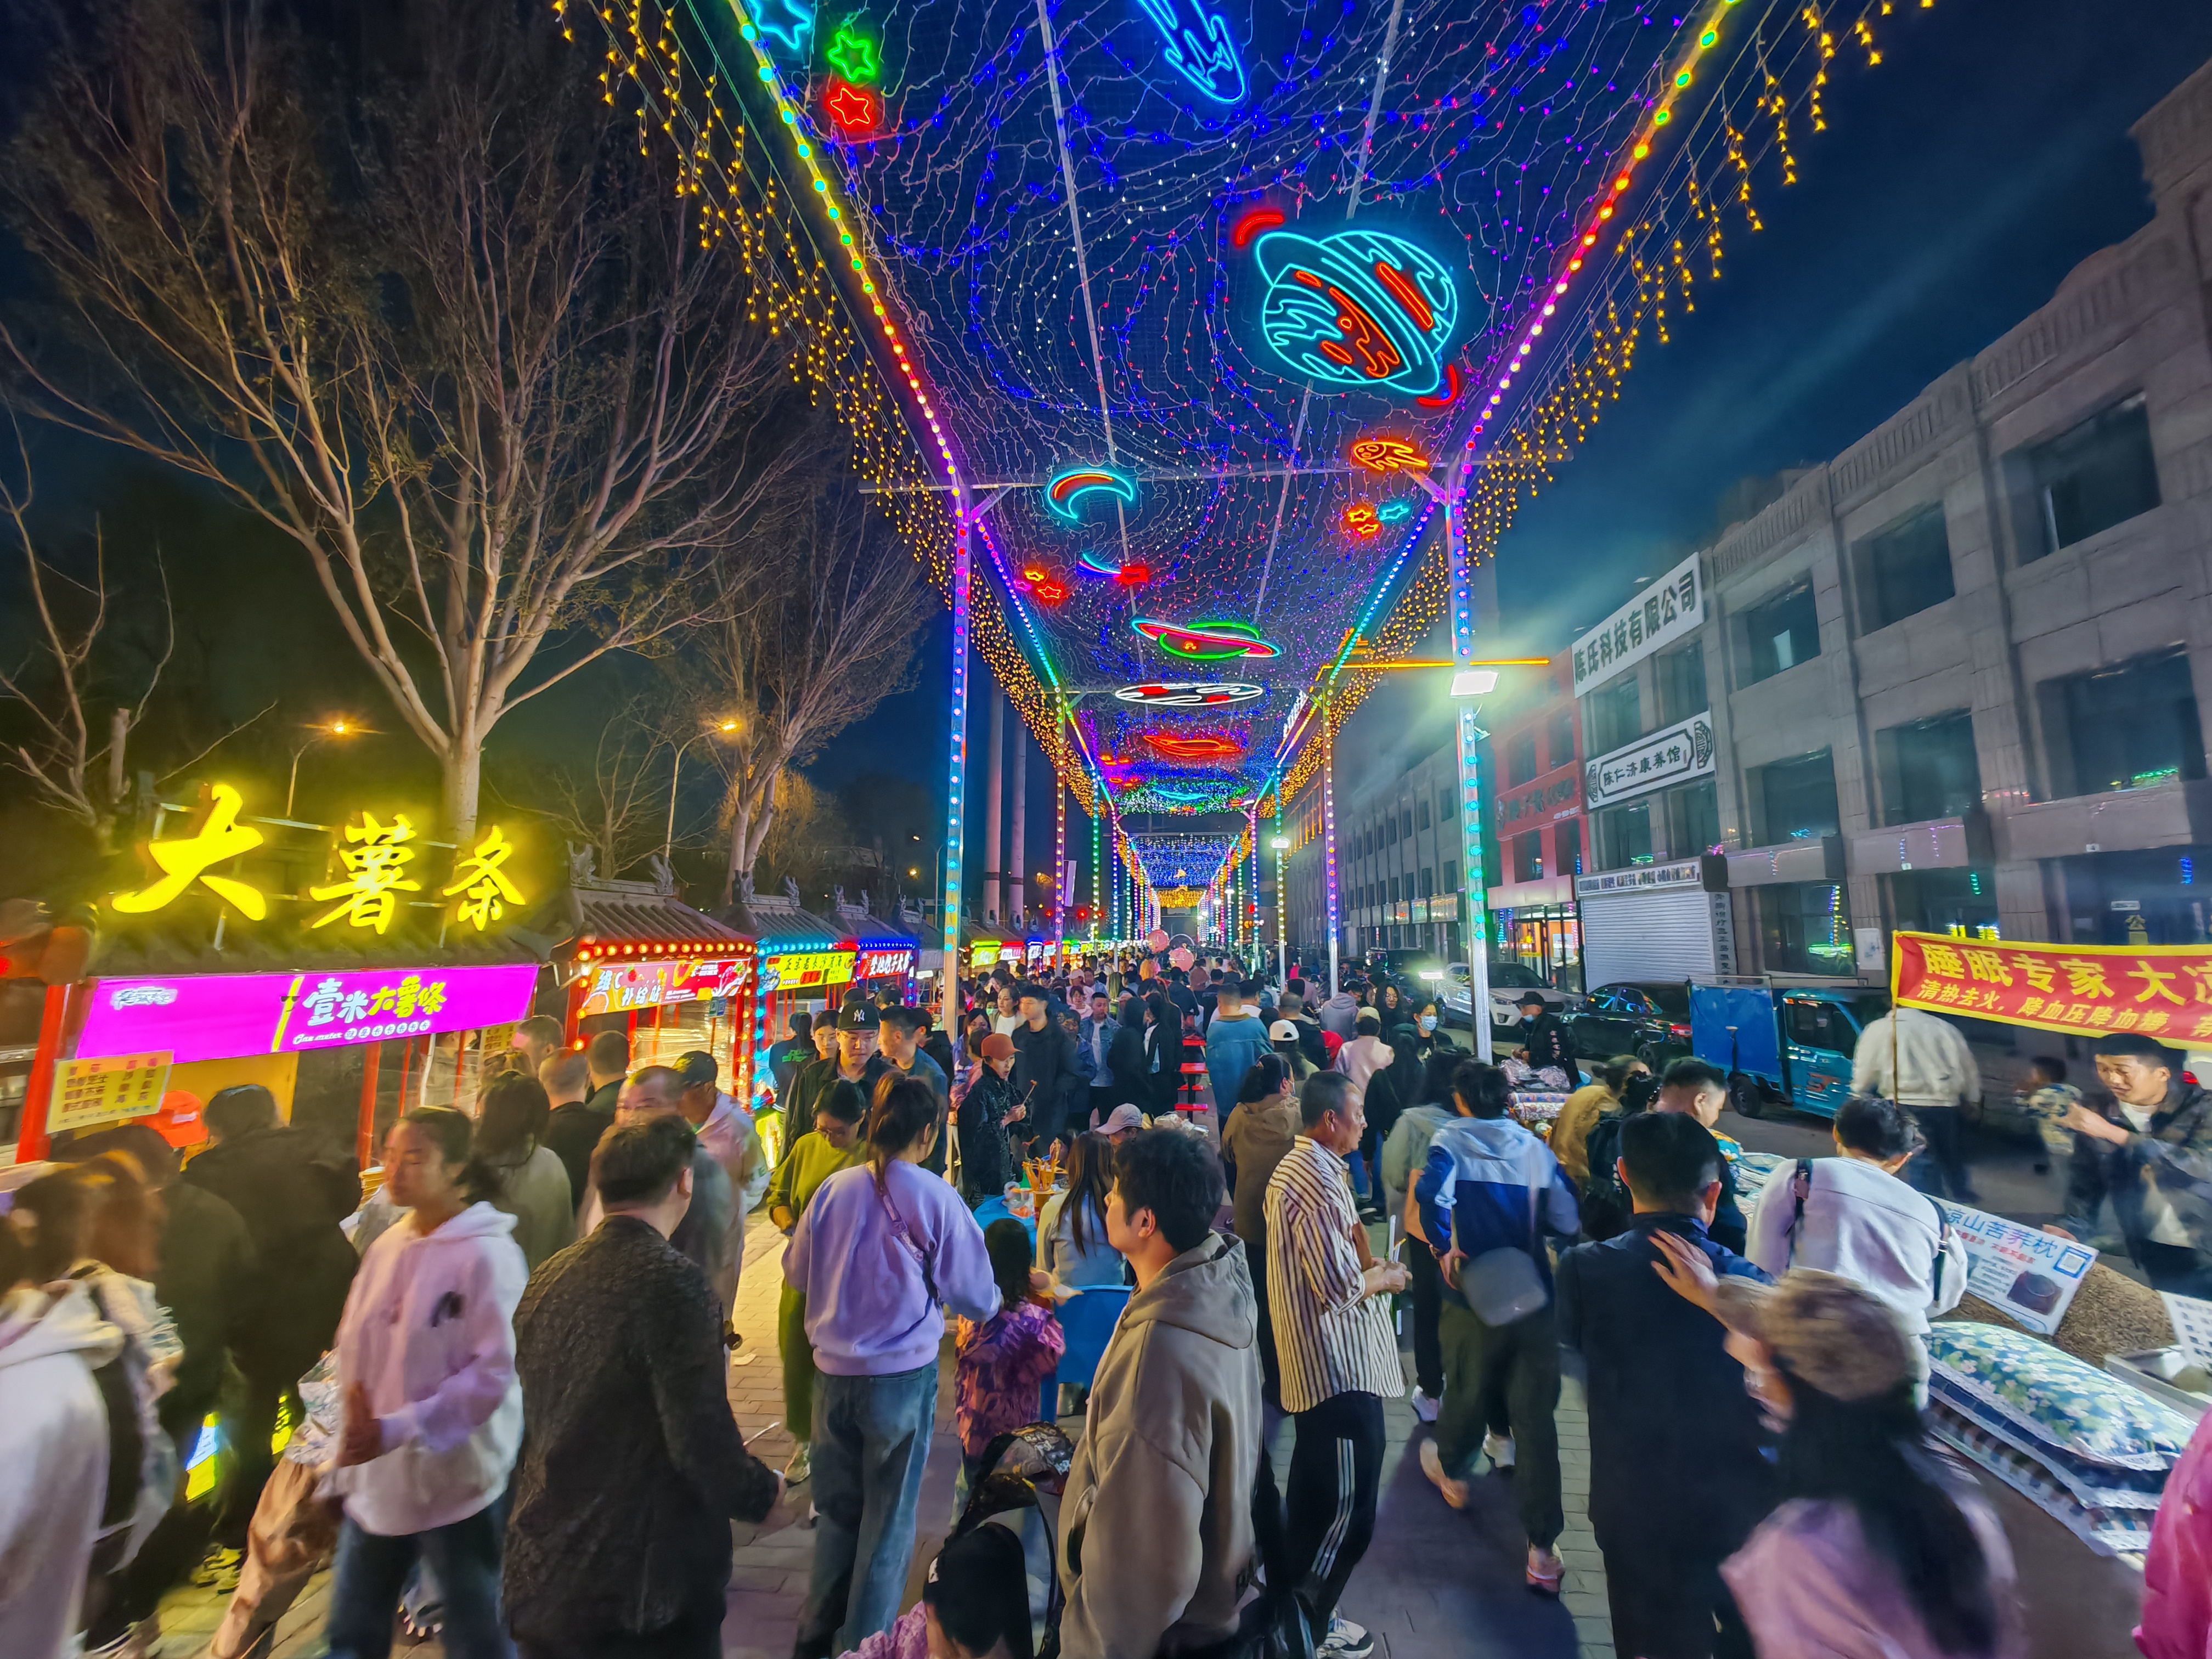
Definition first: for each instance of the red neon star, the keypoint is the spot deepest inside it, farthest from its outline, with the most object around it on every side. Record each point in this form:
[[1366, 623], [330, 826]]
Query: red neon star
[[853, 109]]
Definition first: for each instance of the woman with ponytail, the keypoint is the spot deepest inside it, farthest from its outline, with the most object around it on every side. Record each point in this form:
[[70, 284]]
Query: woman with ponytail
[[1877, 1550], [878, 1254], [425, 1365]]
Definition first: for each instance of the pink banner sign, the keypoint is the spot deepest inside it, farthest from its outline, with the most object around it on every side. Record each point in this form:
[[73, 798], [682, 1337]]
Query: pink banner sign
[[229, 1016]]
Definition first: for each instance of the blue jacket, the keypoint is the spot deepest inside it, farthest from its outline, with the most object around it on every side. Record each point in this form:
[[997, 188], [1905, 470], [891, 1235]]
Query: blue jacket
[[1231, 1047], [1086, 1063], [1676, 1444], [1488, 1174]]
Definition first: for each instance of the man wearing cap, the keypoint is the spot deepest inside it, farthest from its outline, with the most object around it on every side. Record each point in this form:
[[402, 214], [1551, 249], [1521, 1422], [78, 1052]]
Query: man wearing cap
[[1045, 1075], [1119, 1121], [898, 1054], [1545, 1040], [2158, 1160], [855, 1049], [725, 1131]]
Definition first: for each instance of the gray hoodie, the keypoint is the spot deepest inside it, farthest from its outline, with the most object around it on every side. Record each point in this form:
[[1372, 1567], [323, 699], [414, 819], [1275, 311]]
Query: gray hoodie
[[1158, 1503], [1340, 1014]]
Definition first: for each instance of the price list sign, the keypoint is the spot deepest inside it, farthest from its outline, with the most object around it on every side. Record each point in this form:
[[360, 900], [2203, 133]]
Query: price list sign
[[92, 1092]]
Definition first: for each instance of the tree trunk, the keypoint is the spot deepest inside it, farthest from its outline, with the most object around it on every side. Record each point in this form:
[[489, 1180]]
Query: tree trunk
[[463, 766]]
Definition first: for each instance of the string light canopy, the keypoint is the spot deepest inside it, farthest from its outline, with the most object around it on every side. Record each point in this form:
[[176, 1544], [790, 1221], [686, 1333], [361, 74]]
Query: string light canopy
[[1203, 305]]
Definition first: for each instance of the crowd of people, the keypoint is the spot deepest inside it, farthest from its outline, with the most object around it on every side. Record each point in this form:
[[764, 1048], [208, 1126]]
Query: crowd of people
[[506, 1368]]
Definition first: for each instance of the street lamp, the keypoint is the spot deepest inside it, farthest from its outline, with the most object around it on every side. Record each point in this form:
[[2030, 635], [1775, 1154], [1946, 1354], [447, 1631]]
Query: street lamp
[[675, 771], [336, 729]]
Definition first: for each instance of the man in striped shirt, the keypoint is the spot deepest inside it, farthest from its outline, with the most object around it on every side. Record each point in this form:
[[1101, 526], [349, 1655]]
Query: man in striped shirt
[[1329, 1299]]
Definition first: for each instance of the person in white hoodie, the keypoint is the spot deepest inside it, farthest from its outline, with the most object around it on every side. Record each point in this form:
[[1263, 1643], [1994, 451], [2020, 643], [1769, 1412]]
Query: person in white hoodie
[[1853, 1215], [54, 1437], [433, 1407]]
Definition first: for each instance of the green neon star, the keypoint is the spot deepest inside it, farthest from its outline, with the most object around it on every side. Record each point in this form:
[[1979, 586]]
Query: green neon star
[[854, 55]]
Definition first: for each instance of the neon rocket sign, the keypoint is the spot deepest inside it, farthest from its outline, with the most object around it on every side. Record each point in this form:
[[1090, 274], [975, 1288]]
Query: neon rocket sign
[[1358, 310], [1199, 48]]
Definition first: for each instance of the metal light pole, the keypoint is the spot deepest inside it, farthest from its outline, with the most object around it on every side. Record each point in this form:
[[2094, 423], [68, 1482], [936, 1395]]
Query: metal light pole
[[675, 771], [335, 729], [1281, 843]]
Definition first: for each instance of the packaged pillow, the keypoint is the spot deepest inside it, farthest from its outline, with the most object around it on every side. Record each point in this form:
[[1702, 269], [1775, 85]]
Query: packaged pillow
[[2061, 1400]]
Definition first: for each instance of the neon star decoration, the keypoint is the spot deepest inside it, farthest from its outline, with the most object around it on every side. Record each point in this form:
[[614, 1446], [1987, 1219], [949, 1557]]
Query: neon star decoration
[[1361, 520], [1199, 48], [1357, 309], [1064, 493], [855, 110], [853, 55], [1193, 747], [1395, 512], [1386, 454], [1206, 641], [788, 23], [1190, 694]]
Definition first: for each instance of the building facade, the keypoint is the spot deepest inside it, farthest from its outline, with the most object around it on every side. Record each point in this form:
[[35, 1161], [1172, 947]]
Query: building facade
[[1951, 680], [1533, 768], [1398, 874]]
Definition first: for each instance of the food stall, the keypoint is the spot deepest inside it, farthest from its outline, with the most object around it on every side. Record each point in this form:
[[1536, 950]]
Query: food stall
[[802, 965], [887, 958]]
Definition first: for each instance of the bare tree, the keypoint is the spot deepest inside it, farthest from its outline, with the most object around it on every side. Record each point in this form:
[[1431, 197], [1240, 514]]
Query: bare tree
[[436, 316], [809, 640], [618, 805]]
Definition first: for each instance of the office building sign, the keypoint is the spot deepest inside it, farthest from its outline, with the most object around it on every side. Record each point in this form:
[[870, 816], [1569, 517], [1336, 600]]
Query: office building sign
[[1658, 616], [1674, 754]]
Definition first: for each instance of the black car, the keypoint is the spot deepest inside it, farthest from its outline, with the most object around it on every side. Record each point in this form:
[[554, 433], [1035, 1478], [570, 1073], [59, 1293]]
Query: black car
[[1649, 1018]]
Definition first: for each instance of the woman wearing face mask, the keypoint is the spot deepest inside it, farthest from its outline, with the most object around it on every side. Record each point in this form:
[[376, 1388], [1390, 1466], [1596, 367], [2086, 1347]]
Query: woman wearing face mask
[[832, 1145], [984, 1106], [1876, 1551], [1421, 1034], [425, 1363]]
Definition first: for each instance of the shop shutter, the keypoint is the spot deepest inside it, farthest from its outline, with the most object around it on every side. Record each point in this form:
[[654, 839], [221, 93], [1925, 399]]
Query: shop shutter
[[1670, 933]]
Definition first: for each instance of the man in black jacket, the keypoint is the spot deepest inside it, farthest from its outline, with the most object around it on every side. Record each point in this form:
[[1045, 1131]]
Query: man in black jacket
[[1046, 1076], [631, 1467], [1678, 1477], [1544, 1040], [573, 1128]]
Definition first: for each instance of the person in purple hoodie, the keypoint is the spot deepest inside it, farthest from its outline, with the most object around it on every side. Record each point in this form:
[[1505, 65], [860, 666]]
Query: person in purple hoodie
[[881, 1247]]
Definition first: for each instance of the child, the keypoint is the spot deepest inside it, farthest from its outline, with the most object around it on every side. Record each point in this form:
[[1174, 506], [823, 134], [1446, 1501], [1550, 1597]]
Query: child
[[1004, 1360]]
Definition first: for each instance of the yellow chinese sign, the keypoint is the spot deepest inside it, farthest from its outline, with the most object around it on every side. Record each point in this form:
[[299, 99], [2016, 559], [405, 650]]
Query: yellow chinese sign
[[376, 873], [190, 858], [483, 885], [2164, 991], [92, 1092]]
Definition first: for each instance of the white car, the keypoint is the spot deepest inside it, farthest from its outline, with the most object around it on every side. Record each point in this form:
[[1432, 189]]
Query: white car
[[1508, 979]]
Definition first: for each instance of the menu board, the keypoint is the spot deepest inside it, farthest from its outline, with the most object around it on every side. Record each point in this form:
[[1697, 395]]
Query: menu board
[[93, 1091], [2031, 1275]]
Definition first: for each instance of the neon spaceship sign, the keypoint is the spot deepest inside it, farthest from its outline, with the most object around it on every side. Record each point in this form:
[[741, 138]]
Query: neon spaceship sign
[[1064, 493], [1357, 309], [1206, 641], [1189, 694], [1193, 747], [1095, 562], [1199, 48]]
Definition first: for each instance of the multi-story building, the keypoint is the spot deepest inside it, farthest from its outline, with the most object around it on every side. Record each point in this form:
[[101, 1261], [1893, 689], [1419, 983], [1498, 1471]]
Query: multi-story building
[[1951, 680], [1398, 853], [1534, 786]]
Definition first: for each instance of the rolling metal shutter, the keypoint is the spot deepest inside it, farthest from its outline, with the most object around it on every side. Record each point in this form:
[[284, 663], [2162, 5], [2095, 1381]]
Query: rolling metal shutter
[[1677, 933]]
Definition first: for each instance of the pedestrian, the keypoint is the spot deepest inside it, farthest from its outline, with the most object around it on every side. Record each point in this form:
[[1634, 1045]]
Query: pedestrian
[[974, 1604], [631, 1467], [1365, 1060], [1851, 1214], [56, 1435], [1163, 1052], [530, 1182], [727, 1134], [1693, 1087], [1001, 1362], [1339, 1014], [1546, 1042], [1599, 1098], [853, 1038], [1297, 1008], [1261, 1131], [1096, 1040], [572, 1127], [1072, 1244], [606, 1059], [1005, 1015], [987, 1106], [1875, 1550], [291, 1202], [2177, 1603], [294, 1528], [703, 1234], [874, 1255], [1328, 1300], [898, 1048], [1920, 1060], [432, 1407], [1678, 1466], [536, 1040], [1046, 1080], [2158, 1159], [1283, 1038], [1489, 1192], [796, 1049], [1405, 1153], [833, 1144], [1235, 1038], [935, 1045], [1156, 1540]]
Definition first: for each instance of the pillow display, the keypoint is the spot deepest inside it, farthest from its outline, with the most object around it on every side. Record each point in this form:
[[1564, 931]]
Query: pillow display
[[2062, 1402]]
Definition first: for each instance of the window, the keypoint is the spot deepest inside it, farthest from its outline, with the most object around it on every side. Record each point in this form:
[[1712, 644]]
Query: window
[[1805, 928], [1567, 847], [1520, 759], [1428, 882], [1445, 813], [1961, 902], [1560, 740], [2122, 727], [1424, 811], [1693, 819], [1615, 717], [1409, 820], [1797, 798], [1529, 856], [1905, 567], [1681, 677], [1451, 875], [1820, 1025], [1393, 890], [1927, 769], [2100, 474], [1393, 823], [1779, 634], [1624, 835]]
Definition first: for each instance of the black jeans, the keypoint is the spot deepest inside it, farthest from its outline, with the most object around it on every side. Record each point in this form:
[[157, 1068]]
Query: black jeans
[[1428, 1289], [1508, 1372], [249, 1424], [1335, 1467], [1667, 1601], [1941, 1170], [1271, 1369]]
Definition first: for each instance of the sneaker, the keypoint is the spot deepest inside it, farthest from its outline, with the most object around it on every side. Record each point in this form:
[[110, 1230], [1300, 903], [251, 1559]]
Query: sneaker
[[1499, 1449], [1425, 1406], [1544, 1570], [1433, 1465], [801, 1466], [219, 1569], [1346, 1640]]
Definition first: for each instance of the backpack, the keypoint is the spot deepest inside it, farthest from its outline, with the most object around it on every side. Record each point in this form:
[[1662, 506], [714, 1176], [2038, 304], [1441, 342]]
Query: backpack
[[1606, 1207]]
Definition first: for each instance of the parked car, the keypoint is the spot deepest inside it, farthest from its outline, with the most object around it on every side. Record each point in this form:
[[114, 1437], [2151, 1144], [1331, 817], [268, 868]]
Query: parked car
[[1649, 1018], [1508, 979]]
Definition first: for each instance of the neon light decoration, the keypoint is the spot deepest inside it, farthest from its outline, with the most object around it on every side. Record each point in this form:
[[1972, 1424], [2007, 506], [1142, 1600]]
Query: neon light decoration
[[1357, 309], [1395, 512], [1387, 455], [1259, 219], [1199, 48], [1189, 694], [1066, 490], [1048, 592], [1449, 395], [1360, 520], [853, 55], [788, 23], [1096, 561], [1194, 746], [855, 110], [1206, 641]]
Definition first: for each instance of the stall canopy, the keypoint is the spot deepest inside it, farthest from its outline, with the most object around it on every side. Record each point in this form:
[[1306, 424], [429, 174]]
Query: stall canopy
[[805, 961]]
